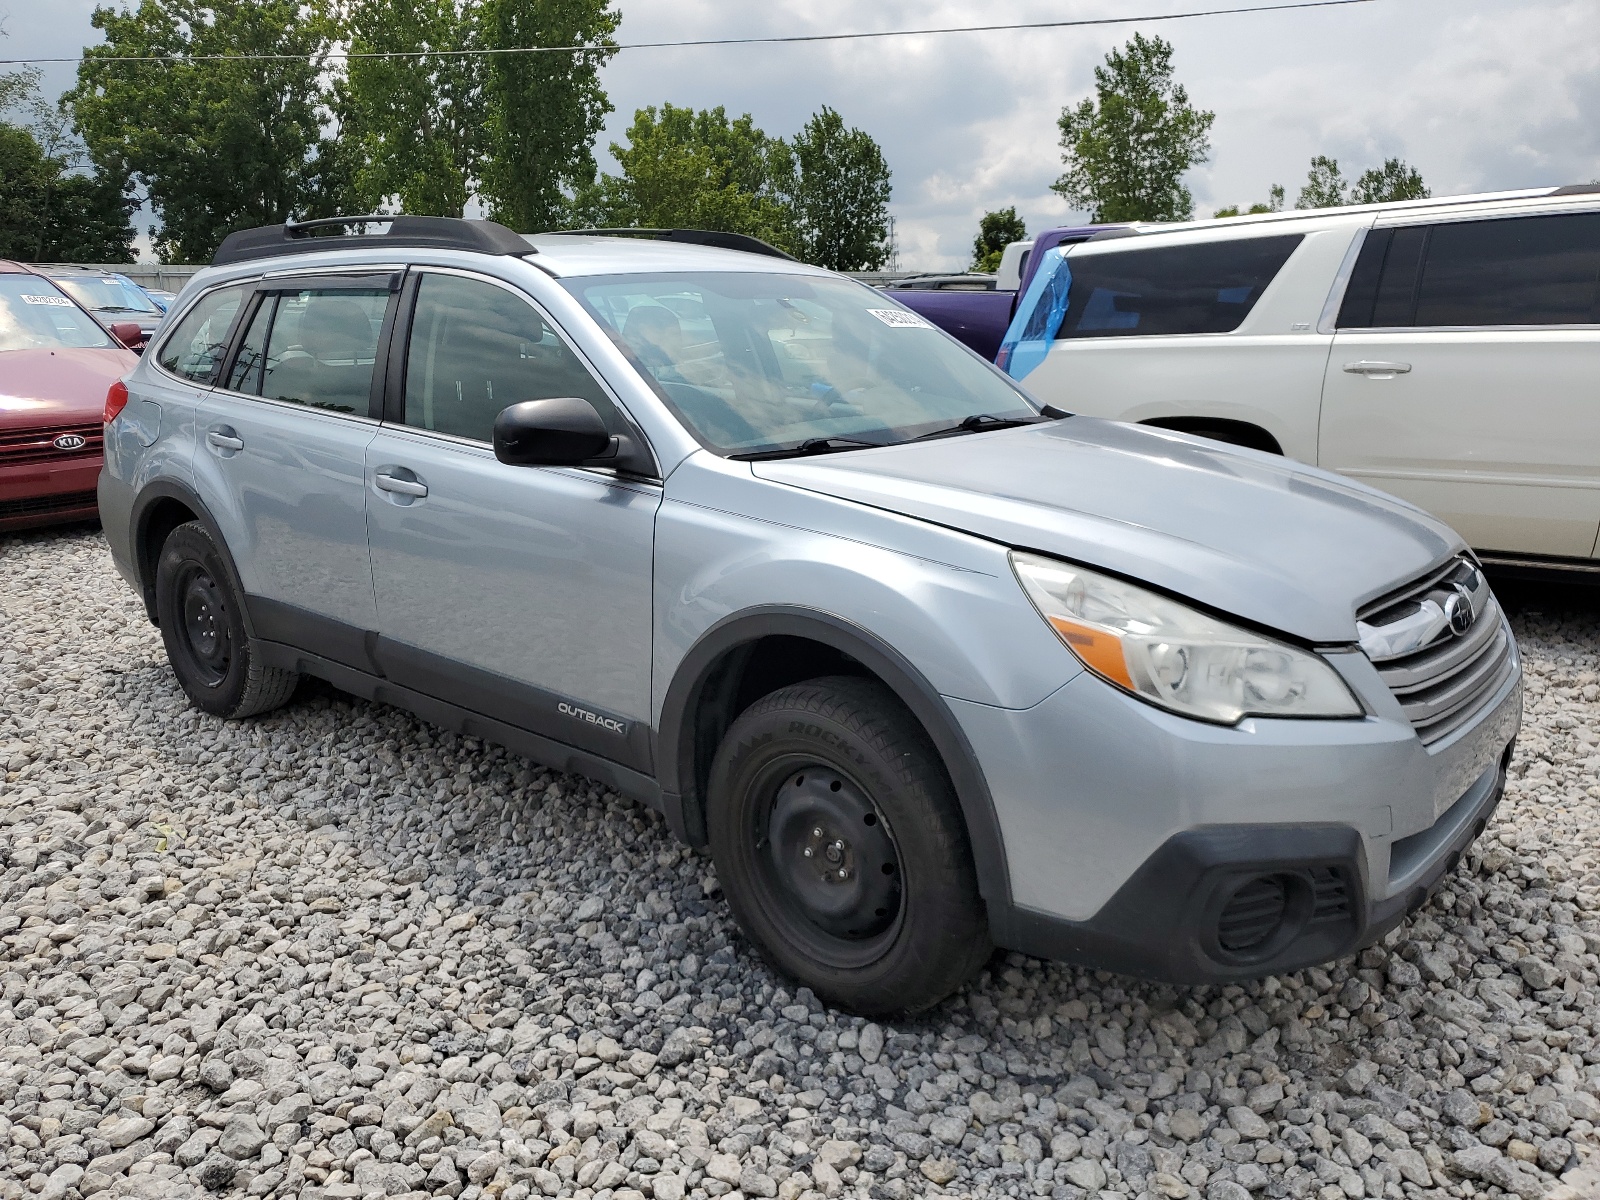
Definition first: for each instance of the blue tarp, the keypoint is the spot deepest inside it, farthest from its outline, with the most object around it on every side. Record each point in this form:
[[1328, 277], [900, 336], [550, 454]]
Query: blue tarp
[[1039, 317]]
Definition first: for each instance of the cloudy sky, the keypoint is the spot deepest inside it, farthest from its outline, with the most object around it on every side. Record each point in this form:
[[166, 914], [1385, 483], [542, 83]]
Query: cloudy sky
[[1478, 94]]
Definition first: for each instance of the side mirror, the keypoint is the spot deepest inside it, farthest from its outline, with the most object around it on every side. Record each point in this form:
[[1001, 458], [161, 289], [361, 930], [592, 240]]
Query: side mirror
[[563, 432], [129, 334]]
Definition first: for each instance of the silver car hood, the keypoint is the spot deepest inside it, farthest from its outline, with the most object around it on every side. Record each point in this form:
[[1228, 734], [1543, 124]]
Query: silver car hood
[[1272, 541]]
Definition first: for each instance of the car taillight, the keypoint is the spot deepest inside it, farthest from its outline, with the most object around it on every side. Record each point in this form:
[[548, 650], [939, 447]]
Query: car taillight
[[116, 400]]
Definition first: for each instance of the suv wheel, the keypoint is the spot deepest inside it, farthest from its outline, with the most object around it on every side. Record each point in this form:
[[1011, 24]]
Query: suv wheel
[[202, 625], [839, 844]]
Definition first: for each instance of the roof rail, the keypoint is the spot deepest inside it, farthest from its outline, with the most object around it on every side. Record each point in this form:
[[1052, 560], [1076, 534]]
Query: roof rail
[[433, 233], [1106, 235], [694, 237], [1577, 189]]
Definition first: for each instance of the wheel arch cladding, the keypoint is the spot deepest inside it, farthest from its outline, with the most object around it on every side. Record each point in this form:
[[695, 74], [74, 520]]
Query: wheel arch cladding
[[765, 649], [159, 509]]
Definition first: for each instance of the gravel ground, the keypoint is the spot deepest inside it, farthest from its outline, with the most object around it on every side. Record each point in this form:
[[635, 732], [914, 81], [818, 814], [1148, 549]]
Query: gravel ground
[[337, 953]]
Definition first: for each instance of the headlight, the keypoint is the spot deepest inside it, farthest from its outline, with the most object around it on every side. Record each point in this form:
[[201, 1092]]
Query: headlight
[[1171, 655]]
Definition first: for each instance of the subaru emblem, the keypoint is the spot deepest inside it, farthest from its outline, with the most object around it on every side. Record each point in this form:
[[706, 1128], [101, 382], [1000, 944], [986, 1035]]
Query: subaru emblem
[[70, 441], [1458, 610]]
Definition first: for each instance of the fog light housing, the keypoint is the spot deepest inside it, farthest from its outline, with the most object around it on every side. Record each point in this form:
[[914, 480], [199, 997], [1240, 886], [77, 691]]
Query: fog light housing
[[1254, 916]]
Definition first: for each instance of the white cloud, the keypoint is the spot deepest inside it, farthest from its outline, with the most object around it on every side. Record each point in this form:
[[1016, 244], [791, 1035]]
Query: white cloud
[[1478, 94]]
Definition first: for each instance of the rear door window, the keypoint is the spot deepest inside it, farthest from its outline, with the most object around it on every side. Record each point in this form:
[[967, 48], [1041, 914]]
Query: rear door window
[[1206, 287], [315, 346], [1526, 271], [1504, 272]]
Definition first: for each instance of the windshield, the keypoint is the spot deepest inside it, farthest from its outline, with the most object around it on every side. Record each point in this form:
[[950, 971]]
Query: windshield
[[757, 362], [108, 293], [34, 315]]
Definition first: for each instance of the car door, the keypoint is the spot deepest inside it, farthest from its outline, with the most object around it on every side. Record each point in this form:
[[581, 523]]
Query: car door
[[283, 440], [522, 593], [1465, 377]]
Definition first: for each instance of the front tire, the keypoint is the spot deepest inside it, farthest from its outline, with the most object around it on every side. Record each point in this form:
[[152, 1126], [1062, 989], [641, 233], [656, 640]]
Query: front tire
[[840, 846], [202, 626]]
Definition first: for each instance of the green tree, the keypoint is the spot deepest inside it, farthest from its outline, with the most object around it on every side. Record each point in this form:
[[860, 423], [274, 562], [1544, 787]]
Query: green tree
[[51, 209], [413, 127], [838, 192], [218, 145], [1325, 185], [1395, 180], [1126, 151], [996, 231], [543, 111], [699, 170], [1274, 204]]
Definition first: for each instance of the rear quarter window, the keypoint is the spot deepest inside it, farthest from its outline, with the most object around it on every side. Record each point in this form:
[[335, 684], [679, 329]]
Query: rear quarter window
[[1206, 287], [195, 347]]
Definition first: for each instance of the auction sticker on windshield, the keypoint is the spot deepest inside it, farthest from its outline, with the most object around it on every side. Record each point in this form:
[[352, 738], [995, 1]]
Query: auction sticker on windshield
[[899, 318], [52, 301]]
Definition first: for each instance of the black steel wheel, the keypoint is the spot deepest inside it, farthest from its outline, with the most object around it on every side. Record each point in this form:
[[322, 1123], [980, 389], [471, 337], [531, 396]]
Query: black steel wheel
[[829, 860], [207, 638], [840, 847], [202, 626]]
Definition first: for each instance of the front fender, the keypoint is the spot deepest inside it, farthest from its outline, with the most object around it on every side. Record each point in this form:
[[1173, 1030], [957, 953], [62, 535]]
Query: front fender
[[942, 616]]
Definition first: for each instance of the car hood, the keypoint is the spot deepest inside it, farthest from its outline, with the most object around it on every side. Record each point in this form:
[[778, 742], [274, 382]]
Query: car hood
[[1274, 542], [65, 386]]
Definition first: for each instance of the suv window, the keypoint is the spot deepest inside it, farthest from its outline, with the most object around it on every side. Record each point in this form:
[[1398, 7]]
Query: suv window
[[1506, 271], [316, 347], [1207, 287], [196, 345], [477, 348]]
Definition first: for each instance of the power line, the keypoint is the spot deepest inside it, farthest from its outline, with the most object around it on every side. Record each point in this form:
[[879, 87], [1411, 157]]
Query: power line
[[749, 41]]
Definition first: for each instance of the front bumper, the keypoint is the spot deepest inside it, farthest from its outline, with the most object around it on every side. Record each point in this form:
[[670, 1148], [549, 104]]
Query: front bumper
[[48, 493], [1145, 843], [1173, 919]]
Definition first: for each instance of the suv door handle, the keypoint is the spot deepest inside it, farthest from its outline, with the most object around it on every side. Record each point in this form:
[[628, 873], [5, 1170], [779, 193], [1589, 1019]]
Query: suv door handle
[[386, 482], [223, 441], [1377, 368]]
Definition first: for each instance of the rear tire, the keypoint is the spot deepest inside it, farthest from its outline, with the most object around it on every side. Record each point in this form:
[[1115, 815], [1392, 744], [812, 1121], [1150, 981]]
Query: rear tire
[[202, 625], [841, 849]]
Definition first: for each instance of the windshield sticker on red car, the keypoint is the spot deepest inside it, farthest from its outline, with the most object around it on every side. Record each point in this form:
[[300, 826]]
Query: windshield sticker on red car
[[52, 301], [899, 318]]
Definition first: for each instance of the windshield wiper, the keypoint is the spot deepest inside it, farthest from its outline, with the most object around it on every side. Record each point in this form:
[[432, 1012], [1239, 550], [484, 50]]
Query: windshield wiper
[[977, 423], [817, 445]]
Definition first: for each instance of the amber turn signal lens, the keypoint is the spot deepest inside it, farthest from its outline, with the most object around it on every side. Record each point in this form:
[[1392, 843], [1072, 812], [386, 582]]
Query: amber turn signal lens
[[1100, 651]]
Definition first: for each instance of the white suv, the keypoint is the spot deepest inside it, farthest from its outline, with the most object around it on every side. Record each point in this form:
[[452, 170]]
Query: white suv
[[1447, 351]]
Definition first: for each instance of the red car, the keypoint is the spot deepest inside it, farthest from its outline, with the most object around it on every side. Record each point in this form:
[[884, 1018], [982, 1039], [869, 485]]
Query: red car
[[56, 365]]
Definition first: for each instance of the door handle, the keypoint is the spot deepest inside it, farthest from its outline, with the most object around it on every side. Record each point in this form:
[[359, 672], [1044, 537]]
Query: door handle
[[405, 487], [1377, 368], [223, 441]]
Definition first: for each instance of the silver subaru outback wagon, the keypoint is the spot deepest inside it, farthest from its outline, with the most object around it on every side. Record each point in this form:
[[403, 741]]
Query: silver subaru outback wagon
[[929, 668]]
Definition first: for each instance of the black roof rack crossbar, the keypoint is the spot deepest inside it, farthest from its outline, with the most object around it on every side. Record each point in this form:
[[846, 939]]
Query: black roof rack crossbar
[[694, 237], [432, 233]]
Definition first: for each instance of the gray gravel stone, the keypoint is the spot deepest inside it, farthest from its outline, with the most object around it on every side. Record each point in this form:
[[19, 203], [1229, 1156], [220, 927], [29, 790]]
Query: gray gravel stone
[[242, 1137], [372, 956]]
